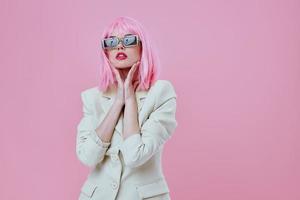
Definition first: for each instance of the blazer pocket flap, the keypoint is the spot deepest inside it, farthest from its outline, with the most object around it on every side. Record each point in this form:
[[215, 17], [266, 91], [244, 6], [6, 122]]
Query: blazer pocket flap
[[153, 189], [88, 188]]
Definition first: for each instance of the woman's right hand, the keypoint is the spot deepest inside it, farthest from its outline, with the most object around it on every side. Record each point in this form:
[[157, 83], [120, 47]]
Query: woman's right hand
[[120, 96]]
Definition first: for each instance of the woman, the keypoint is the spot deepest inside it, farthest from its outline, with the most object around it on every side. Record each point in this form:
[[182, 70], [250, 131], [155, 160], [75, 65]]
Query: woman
[[126, 119]]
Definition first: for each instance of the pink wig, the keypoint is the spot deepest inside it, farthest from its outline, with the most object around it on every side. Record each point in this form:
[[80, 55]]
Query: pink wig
[[149, 67]]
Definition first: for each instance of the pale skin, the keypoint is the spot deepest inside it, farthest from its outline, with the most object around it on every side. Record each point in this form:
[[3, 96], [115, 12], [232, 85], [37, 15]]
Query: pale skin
[[125, 100]]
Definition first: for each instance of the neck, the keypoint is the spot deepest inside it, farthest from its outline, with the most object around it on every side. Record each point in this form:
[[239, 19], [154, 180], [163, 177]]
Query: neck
[[124, 73]]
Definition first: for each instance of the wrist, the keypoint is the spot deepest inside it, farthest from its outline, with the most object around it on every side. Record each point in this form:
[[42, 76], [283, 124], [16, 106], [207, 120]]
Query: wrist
[[119, 102], [130, 100]]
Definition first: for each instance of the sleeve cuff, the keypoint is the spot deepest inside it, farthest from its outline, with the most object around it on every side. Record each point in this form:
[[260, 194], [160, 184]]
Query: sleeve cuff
[[130, 141], [98, 140]]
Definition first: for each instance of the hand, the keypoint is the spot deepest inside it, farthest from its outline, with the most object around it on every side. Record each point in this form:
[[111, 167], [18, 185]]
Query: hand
[[126, 90], [129, 86], [120, 91]]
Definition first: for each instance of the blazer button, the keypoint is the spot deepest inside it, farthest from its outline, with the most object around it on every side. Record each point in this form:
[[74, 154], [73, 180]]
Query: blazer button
[[114, 185]]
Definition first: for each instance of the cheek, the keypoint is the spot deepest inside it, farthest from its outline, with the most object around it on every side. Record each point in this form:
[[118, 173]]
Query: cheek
[[109, 55], [135, 53]]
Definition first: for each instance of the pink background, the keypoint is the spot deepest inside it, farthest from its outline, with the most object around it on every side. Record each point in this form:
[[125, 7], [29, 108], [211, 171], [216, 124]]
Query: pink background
[[234, 64]]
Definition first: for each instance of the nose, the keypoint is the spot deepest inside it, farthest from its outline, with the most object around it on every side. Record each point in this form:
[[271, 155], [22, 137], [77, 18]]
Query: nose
[[120, 46]]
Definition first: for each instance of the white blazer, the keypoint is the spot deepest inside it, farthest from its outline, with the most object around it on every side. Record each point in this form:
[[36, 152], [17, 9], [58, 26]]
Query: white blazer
[[127, 169]]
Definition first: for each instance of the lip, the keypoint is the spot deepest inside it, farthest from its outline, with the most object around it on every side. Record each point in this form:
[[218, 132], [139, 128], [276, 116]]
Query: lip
[[121, 56]]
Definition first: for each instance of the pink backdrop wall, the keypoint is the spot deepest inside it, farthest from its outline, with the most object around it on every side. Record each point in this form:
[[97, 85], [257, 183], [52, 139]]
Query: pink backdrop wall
[[236, 69]]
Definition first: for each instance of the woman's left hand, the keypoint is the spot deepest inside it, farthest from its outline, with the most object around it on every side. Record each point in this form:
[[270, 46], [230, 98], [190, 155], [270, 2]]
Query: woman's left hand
[[129, 86]]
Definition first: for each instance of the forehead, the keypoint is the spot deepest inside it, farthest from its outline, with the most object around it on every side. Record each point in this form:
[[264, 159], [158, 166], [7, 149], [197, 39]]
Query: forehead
[[120, 32]]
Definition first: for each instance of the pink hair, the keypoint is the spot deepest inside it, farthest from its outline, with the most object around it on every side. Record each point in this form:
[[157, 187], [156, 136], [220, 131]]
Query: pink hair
[[149, 68]]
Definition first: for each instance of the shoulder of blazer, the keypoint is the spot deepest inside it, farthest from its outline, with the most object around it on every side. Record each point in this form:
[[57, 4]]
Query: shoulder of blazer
[[89, 93], [164, 90]]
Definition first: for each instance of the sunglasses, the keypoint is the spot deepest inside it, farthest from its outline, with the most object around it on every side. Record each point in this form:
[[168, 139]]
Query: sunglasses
[[113, 41]]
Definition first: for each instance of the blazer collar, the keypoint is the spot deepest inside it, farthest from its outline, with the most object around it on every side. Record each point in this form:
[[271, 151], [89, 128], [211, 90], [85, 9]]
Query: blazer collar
[[110, 94], [106, 101]]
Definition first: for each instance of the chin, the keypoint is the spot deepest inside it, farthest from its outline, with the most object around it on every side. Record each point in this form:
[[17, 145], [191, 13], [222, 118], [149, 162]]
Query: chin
[[123, 65]]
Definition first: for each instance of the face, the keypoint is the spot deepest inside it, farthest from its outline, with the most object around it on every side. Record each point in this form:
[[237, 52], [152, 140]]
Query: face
[[132, 54]]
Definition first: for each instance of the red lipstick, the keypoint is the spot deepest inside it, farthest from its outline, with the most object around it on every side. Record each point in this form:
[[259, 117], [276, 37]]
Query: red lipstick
[[121, 56]]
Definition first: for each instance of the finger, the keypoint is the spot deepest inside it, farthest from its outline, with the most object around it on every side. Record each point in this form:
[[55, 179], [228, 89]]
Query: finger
[[118, 77], [136, 83], [132, 70], [117, 73], [134, 66]]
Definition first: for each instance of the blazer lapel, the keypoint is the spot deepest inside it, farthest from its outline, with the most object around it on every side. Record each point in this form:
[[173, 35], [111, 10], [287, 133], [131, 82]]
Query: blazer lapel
[[106, 100]]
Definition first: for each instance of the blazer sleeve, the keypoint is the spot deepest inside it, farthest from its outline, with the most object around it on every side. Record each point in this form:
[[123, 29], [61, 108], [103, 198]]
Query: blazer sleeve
[[90, 149], [157, 129]]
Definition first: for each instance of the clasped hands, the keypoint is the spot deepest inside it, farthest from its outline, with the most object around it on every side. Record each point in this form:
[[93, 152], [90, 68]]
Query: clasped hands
[[126, 89]]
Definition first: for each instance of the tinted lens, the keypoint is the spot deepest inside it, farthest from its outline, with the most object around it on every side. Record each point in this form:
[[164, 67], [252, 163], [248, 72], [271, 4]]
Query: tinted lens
[[130, 40], [110, 42]]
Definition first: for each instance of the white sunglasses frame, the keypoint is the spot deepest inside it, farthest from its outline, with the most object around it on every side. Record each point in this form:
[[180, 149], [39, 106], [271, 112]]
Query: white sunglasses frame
[[121, 40]]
